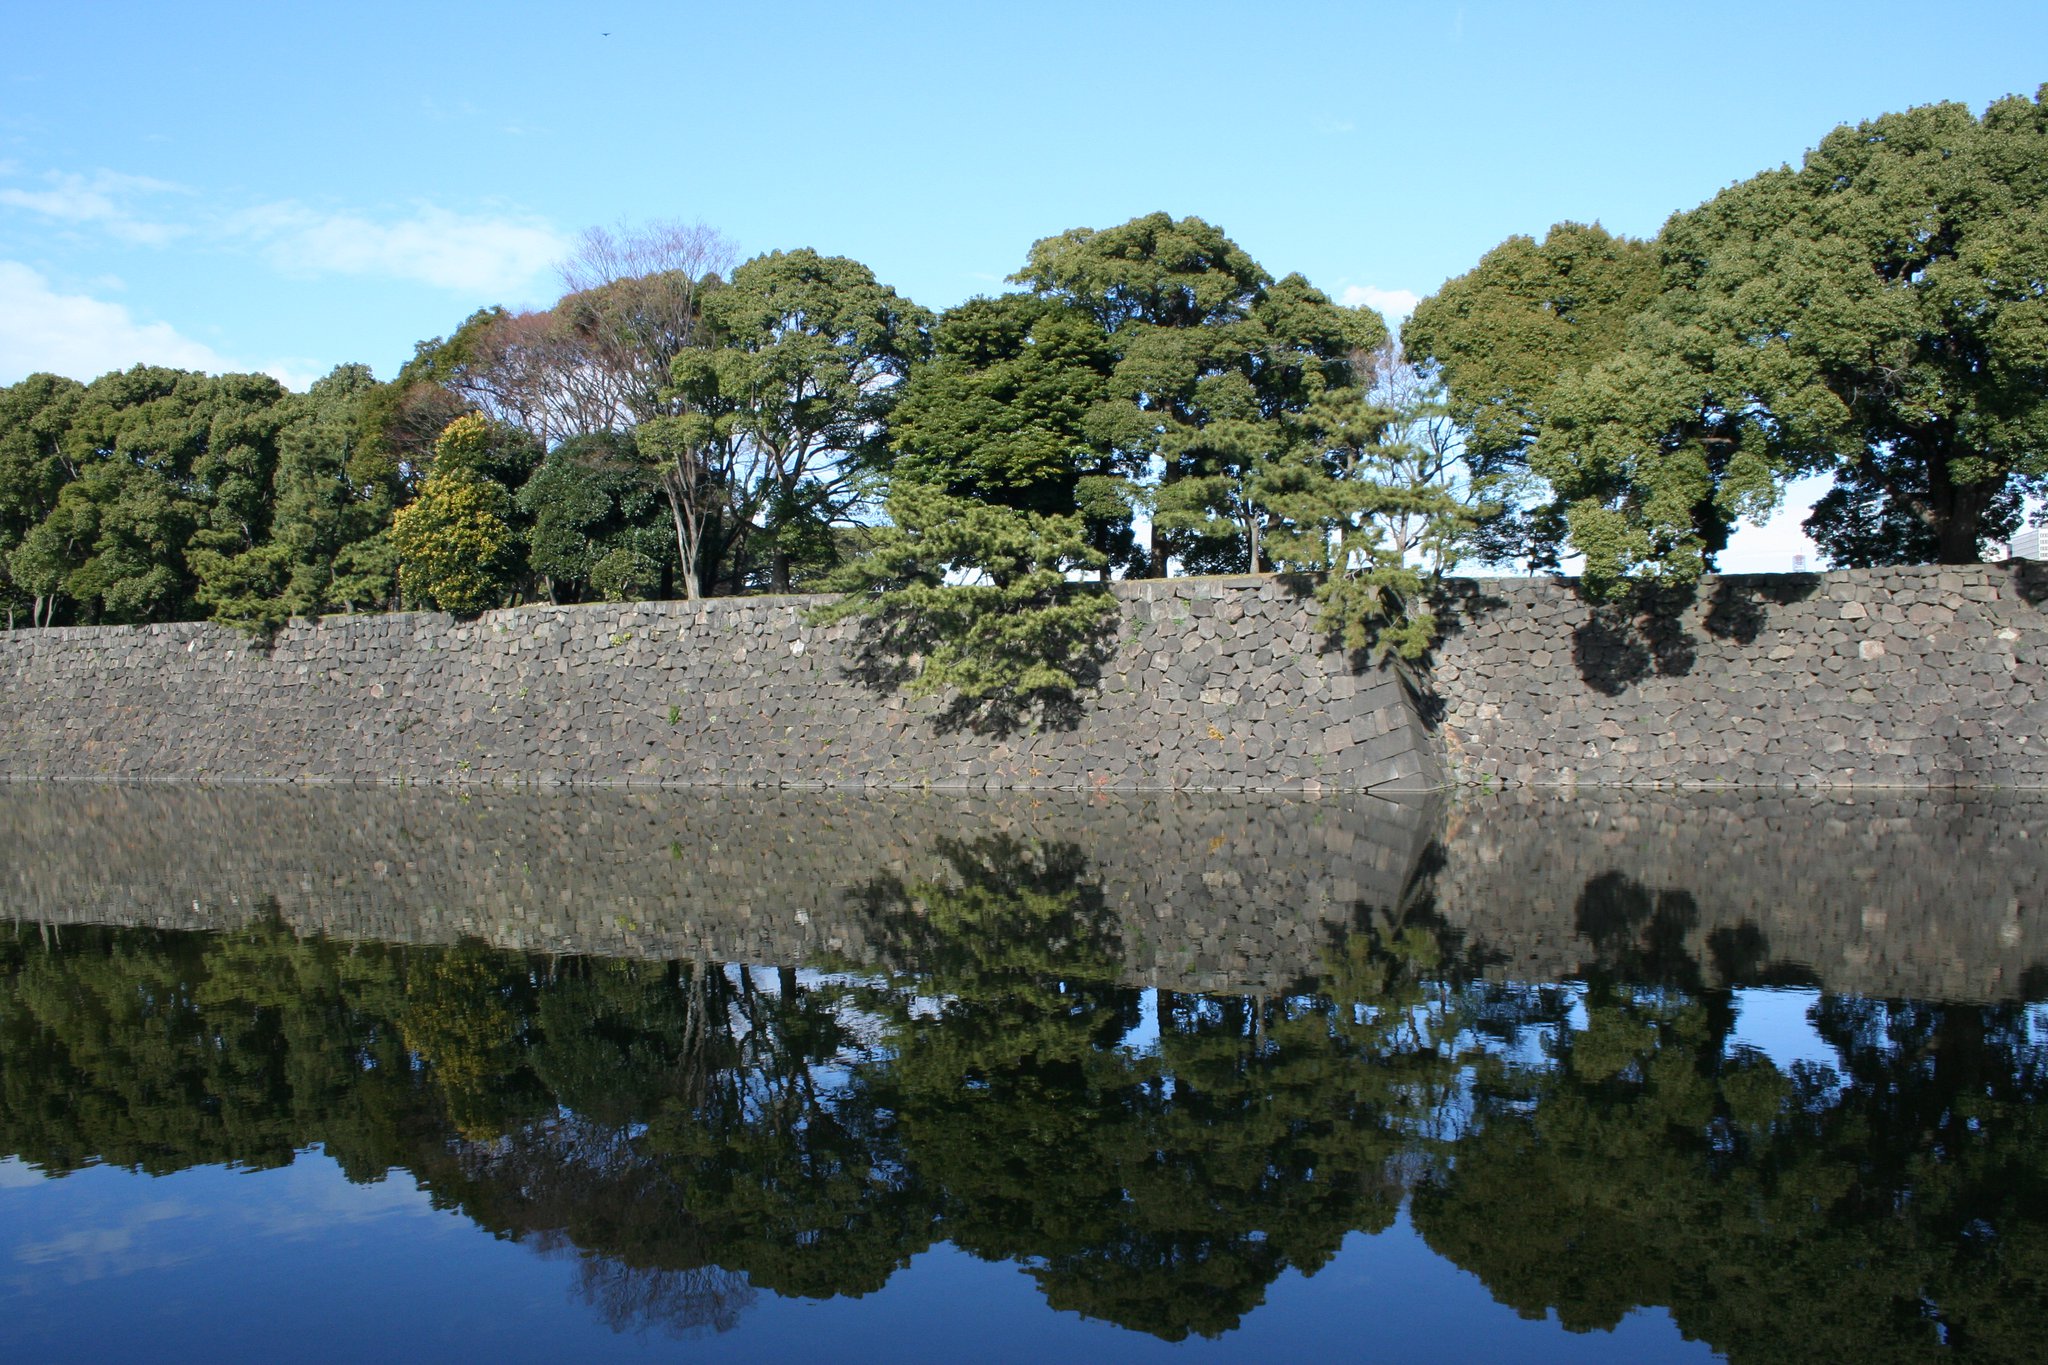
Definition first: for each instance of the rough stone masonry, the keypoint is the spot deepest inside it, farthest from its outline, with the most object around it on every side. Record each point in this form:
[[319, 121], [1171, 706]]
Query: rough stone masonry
[[1916, 676], [1910, 677], [1206, 684]]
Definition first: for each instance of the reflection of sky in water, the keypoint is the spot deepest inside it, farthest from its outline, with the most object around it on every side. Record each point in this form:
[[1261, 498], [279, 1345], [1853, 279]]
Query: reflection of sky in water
[[1145, 1037], [1777, 1023], [297, 1263], [112, 1227]]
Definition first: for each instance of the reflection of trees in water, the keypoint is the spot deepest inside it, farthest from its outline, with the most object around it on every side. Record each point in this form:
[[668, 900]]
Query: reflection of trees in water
[[700, 1128], [678, 1303], [1164, 1186], [698, 1132], [1891, 1208]]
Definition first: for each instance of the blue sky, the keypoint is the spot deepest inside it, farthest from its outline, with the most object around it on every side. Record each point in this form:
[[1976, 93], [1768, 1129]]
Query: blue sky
[[230, 186]]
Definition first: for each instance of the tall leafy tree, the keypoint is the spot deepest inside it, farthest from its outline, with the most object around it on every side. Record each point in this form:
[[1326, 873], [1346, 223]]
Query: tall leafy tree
[[1002, 414], [595, 523], [788, 402], [162, 461], [1887, 305], [1212, 359], [1505, 335], [1879, 314], [34, 417], [319, 517], [456, 543], [1377, 501]]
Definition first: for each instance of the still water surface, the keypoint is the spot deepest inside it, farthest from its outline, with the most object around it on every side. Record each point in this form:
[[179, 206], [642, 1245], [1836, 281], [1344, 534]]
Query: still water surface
[[350, 1074]]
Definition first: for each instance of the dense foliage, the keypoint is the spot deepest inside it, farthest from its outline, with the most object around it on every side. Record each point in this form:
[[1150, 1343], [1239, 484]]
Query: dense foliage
[[1879, 314]]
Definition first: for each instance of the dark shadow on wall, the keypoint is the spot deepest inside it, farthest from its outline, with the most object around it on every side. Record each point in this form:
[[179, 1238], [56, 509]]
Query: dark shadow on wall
[[1618, 645], [1621, 643], [1638, 933], [1461, 605], [1740, 607], [1453, 602], [1643, 934], [2029, 579], [888, 655], [1002, 716], [1741, 954]]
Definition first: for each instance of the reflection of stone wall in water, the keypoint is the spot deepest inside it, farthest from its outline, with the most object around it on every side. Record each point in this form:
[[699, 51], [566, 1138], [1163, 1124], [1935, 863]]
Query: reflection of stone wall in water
[[1934, 897], [1210, 891], [1208, 684], [1914, 676]]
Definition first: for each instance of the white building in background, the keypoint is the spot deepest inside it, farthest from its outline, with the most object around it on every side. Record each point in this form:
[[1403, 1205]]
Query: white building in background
[[2025, 545]]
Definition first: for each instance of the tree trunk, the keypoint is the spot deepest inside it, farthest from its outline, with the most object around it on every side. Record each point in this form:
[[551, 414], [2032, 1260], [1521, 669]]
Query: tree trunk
[[685, 549], [1958, 512]]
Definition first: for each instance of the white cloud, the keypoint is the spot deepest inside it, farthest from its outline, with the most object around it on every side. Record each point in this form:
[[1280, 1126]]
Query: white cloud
[[499, 255], [1392, 304], [103, 198], [477, 255], [80, 336]]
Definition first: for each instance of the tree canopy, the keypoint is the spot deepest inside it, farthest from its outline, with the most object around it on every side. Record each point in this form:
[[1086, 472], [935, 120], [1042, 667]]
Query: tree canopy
[[1879, 314]]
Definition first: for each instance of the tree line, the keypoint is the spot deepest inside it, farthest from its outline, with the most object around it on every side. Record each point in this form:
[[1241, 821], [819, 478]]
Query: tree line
[[676, 425], [1147, 399]]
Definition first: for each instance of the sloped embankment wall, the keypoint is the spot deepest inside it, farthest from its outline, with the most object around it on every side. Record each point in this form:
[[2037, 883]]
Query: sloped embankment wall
[[1908, 677], [1206, 684], [1918, 676]]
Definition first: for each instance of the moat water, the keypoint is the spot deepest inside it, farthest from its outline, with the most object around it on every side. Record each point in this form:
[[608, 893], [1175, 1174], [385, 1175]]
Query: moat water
[[350, 1074]]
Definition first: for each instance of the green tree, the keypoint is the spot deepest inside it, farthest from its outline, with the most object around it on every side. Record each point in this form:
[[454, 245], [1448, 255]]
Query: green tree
[[1002, 413], [455, 543], [785, 408], [34, 416], [595, 521], [318, 514], [1375, 500], [1505, 335], [1885, 306], [1212, 361], [162, 462], [1877, 314], [1020, 633]]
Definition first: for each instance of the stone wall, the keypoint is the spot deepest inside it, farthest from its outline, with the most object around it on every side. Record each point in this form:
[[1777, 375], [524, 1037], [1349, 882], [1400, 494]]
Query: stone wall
[[1912, 677], [1206, 684]]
